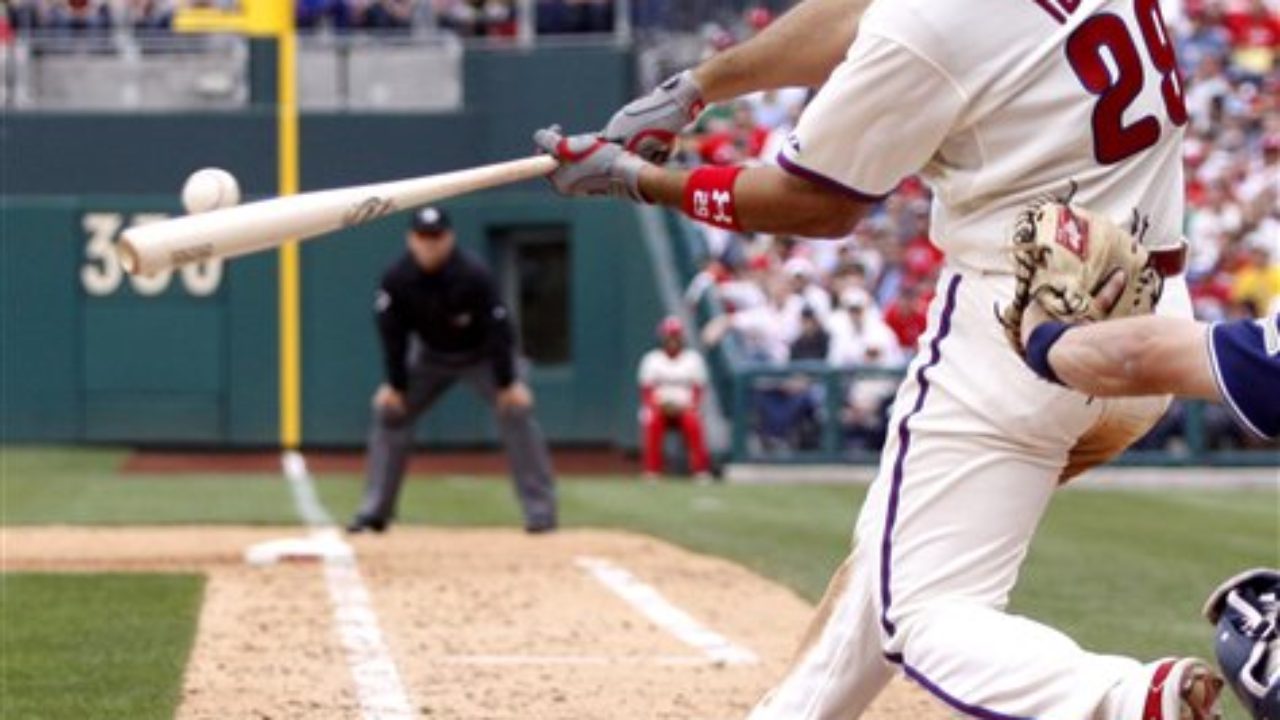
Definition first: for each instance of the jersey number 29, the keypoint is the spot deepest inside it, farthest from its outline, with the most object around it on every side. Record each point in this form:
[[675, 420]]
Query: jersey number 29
[[1104, 55]]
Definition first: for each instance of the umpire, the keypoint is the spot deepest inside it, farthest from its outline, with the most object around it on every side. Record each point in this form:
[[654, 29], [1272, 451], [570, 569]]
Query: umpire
[[440, 321]]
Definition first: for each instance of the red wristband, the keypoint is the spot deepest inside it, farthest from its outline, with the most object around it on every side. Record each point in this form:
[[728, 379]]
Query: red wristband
[[708, 196]]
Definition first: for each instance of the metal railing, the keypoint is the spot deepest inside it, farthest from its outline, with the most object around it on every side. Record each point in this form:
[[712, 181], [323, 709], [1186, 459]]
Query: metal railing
[[1192, 433], [125, 70], [158, 71], [122, 68], [799, 413], [360, 72], [812, 421]]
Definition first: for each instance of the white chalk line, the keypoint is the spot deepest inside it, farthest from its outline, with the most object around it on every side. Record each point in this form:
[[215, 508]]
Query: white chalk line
[[649, 602], [305, 500], [379, 689]]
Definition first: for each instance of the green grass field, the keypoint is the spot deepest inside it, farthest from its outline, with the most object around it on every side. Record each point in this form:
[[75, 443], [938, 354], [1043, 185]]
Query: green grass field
[[1120, 571], [95, 646]]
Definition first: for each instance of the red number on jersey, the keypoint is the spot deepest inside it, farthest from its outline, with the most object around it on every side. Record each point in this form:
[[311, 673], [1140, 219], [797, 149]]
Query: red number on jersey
[[1156, 36], [1104, 56], [1100, 39]]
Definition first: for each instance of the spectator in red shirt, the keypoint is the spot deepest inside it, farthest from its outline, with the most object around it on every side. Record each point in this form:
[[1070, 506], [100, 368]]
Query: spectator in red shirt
[[908, 315], [921, 259], [742, 140], [1255, 35]]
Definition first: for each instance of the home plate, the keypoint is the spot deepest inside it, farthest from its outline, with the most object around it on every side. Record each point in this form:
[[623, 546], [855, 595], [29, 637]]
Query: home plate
[[318, 547]]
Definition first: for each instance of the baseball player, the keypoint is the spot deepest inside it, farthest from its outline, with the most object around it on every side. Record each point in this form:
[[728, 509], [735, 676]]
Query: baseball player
[[440, 321], [672, 381], [1237, 363], [993, 103]]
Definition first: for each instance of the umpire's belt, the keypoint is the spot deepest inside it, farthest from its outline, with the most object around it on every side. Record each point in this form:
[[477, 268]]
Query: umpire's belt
[[451, 360]]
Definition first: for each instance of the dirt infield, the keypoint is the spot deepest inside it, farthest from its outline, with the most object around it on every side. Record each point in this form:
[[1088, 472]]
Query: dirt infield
[[479, 623]]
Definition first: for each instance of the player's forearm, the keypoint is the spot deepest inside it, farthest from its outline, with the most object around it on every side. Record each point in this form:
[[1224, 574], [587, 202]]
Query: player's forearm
[[716, 329], [767, 199], [1136, 356], [800, 49]]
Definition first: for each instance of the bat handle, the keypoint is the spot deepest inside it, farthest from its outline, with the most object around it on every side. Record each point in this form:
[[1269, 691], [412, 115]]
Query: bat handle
[[537, 166]]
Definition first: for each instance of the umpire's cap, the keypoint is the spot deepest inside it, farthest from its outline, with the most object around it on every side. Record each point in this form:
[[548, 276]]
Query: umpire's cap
[[429, 220]]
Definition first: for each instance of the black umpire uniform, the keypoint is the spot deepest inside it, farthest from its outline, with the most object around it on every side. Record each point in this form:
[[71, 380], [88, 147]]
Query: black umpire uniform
[[440, 321]]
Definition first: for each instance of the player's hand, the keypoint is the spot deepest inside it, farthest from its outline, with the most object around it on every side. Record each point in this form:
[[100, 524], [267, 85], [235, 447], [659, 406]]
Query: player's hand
[[589, 166], [1069, 260], [1104, 299], [1110, 293], [648, 126], [515, 396], [389, 399]]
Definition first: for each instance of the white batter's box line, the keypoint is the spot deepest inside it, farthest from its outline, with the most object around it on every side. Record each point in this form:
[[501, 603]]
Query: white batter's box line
[[576, 660], [379, 689], [662, 612]]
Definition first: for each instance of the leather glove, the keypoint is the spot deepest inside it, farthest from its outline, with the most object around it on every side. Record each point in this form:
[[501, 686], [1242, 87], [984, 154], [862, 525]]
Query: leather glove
[[590, 166], [648, 126], [1063, 254]]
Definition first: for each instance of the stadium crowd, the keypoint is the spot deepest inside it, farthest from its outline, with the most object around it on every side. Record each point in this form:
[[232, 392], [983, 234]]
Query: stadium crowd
[[861, 301], [469, 18]]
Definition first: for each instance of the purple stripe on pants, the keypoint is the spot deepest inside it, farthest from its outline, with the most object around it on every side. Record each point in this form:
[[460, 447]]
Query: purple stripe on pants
[[904, 444], [970, 710]]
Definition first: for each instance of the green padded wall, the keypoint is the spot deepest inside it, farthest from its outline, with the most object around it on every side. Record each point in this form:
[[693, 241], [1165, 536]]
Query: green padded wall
[[92, 354], [105, 359], [40, 322]]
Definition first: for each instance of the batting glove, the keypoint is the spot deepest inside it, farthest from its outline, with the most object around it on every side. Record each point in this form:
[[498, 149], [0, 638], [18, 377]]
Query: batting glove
[[589, 166], [648, 126]]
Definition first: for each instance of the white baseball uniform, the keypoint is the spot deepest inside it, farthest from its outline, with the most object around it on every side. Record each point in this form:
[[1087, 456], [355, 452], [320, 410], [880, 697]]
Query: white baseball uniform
[[870, 340], [993, 102], [673, 379], [767, 330]]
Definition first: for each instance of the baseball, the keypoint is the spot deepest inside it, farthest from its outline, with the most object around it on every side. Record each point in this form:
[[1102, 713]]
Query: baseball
[[210, 189]]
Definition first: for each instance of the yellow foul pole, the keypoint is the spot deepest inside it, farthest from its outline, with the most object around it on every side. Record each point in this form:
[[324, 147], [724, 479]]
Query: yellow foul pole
[[274, 19], [290, 281]]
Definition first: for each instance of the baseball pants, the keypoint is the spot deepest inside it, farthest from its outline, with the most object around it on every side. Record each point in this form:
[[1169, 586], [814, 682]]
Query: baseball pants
[[391, 442], [976, 448], [655, 428]]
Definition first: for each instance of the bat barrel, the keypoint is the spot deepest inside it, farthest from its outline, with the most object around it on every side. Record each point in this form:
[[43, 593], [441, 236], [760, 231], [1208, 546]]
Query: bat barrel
[[155, 247]]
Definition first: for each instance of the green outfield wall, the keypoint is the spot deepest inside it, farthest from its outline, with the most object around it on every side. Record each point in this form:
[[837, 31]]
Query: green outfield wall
[[91, 354]]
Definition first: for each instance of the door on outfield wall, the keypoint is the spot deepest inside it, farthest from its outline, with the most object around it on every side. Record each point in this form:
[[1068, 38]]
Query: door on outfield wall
[[532, 265]]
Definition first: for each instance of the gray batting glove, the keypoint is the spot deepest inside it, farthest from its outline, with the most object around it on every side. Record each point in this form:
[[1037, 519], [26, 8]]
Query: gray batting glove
[[648, 126], [589, 166]]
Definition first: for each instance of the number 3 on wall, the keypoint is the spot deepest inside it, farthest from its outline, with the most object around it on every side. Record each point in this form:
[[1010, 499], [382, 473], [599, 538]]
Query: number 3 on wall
[[102, 275], [1103, 54]]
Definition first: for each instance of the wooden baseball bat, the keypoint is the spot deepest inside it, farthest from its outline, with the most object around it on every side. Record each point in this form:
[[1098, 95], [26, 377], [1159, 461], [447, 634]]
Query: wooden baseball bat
[[244, 229]]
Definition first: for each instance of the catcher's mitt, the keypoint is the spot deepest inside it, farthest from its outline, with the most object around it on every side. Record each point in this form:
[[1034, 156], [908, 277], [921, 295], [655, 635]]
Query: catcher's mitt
[[1063, 255]]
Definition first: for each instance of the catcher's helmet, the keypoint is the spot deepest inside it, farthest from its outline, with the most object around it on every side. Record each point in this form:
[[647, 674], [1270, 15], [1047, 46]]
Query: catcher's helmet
[[1246, 611]]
